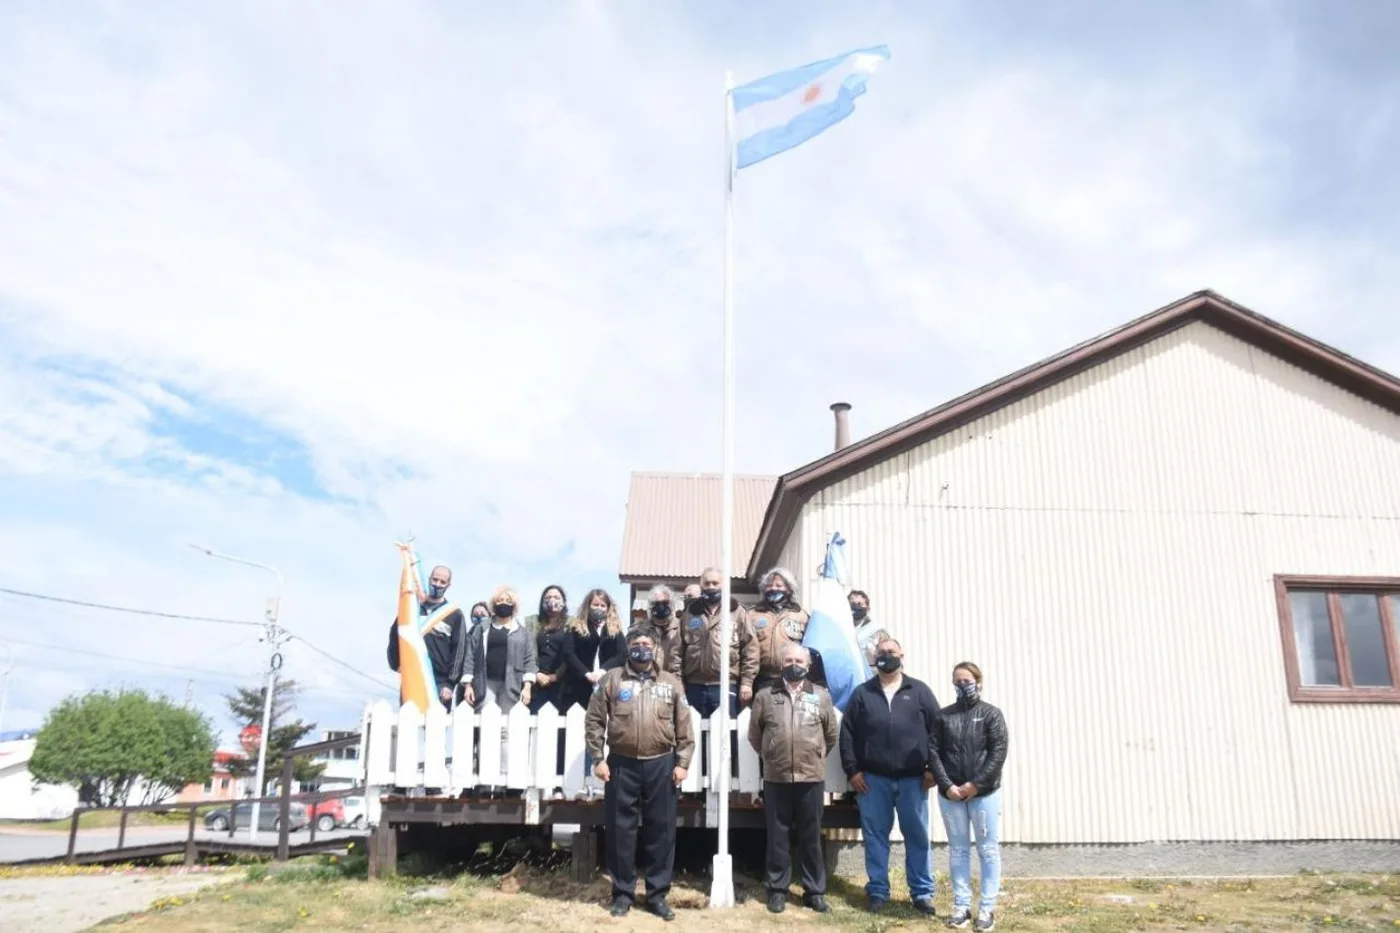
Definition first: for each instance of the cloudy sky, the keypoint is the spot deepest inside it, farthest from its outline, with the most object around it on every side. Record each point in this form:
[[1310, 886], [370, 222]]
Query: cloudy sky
[[291, 280]]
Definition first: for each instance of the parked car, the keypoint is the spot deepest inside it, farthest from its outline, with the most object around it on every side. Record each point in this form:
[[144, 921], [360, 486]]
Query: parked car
[[355, 813], [269, 817], [328, 814]]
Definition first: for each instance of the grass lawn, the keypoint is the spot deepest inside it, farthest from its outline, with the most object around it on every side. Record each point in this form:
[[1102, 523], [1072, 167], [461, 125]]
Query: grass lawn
[[318, 895]]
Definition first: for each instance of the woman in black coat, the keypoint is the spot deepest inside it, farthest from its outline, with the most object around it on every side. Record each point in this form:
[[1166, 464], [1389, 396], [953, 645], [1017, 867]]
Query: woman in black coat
[[594, 644]]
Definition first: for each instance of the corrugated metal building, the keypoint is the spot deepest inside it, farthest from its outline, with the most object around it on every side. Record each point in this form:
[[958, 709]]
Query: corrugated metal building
[[1175, 552]]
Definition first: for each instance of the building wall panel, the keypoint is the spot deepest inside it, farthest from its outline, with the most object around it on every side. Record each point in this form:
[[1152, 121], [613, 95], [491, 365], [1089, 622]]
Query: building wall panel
[[1106, 550]]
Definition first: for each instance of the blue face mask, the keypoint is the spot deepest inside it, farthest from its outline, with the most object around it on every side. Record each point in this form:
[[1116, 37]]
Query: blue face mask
[[435, 590], [776, 597], [477, 619]]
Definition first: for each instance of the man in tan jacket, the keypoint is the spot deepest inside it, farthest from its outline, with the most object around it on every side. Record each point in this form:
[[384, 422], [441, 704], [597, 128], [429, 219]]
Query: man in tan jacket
[[700, 626], [641, 712], [793, 728]]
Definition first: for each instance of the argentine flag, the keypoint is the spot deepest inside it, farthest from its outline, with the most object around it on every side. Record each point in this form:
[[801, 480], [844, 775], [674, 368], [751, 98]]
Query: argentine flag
[[784, 110], [830, 628]]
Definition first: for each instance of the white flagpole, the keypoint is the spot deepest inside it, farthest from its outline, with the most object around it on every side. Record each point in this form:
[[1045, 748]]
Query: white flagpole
[[722, 883]]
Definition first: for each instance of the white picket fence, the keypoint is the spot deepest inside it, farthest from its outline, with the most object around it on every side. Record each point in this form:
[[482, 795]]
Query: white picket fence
[[404, 749]]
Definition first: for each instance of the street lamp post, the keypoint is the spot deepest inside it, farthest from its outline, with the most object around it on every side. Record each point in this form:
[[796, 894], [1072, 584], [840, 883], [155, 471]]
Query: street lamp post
[[275, 638], [5, 683]]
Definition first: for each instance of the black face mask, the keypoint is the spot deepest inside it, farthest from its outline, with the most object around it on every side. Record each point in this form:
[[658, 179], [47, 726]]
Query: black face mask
[[640, 655], [597, 615], [711, 596], [661, 610], [696, 607], [504, 610], [887, 663], [435, 590], [858, 612], [794, 673]]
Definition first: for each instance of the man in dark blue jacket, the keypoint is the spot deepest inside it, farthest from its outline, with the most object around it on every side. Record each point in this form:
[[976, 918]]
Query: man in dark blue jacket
[[888, 752]]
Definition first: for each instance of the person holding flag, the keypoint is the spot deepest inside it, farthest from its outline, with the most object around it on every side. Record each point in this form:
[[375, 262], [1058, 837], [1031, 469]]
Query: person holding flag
[[442, 630]]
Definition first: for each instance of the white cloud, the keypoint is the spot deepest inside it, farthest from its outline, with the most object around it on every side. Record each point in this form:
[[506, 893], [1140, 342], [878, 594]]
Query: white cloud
[[468, 264]]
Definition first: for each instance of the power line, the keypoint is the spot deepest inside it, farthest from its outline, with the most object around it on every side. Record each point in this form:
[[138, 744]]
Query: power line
[[139, 612], [351, 668]]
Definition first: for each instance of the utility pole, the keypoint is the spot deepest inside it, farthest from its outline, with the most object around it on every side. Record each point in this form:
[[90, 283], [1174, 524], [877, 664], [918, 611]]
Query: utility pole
[[5, 683], [189, 694], [275, 636]]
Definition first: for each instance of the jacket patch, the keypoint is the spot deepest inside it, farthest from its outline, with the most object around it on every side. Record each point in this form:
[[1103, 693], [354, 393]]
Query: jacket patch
[[793, 628], [625, 693], [695, 623], [761, 622]]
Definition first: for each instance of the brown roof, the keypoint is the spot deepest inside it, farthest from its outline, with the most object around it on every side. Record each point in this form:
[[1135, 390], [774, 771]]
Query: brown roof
[[673, 524], [795, 488]]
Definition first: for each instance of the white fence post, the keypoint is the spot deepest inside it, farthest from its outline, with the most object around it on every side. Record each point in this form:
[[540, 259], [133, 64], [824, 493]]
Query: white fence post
[[750, 781], [695, 775], [435, 747], [575, 780], [517, 739], [547, 723], [463, 749]]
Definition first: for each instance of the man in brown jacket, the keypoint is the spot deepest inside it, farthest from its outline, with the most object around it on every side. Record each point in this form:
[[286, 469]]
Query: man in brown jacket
[[661, 624], [700, 627], [641, 712], [793, 728], [777, 620]]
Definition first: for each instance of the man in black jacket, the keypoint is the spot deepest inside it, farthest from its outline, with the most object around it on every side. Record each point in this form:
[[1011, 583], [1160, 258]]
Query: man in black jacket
[[444, 633], [888, 752]]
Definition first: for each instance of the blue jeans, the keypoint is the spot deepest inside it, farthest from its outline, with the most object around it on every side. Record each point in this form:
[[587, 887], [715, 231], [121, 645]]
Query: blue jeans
[[705, 699], [878, 806], [980, 816]]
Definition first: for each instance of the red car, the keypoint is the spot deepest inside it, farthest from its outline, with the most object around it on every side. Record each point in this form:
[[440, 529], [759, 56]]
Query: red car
[[328, 814]]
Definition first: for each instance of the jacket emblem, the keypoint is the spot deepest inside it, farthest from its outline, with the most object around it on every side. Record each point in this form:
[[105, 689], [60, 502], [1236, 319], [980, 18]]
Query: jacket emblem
[[625, 693]]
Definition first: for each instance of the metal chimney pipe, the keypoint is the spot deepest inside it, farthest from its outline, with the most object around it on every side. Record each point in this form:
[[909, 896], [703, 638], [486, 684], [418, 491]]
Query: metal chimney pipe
[[843, 424]]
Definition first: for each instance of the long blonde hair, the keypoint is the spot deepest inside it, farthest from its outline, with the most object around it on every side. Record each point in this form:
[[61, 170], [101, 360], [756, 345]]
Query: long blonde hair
[[579, 623]]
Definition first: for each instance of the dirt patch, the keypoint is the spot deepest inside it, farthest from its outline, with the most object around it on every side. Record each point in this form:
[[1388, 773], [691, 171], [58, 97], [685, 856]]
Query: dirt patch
[[57, 903]]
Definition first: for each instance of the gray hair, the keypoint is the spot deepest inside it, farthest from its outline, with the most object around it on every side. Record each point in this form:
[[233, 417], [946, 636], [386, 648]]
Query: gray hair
[[800, 648], [779, 573], [712, 570], [660, 593]]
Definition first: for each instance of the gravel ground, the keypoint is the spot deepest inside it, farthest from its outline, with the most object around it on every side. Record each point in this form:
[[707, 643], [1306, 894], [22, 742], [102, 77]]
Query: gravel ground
[[68, 904]]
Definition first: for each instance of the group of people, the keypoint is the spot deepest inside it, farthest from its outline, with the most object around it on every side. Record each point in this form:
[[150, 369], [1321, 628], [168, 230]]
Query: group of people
[[895, 742]]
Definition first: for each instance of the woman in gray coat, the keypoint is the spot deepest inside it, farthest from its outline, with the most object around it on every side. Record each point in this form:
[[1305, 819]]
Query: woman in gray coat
[[500, 665]]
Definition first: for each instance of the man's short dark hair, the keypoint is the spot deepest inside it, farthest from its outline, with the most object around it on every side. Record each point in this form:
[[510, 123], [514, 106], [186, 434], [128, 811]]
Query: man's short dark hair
[[861, 593], [639, 633]]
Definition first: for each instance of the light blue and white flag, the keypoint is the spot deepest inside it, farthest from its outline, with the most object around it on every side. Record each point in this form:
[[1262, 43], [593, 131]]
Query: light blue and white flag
[[830, 628], [784, 110]]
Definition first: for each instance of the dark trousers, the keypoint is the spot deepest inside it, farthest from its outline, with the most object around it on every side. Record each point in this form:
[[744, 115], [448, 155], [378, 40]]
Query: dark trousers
[[705, 698], [552, 694], [793, 814], [640, 791]]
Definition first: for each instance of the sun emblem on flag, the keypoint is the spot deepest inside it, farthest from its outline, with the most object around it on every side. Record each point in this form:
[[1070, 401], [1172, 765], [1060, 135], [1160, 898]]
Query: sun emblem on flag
[[811, 94]]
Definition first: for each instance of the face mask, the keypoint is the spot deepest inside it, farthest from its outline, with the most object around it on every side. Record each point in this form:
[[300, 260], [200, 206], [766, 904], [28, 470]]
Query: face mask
[[887, 663], [597, 615], [775, 597], [478, 619], [435, 590], [711, 596], [794, 673], [639, 654], [504, 610], [967, 689], [661, 610], [857, 612], [554, 605]]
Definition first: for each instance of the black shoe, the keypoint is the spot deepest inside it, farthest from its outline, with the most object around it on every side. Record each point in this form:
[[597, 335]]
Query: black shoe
[[875, 904], [816, 902], [777, 902], [662, 909], [620, 906], [924, 905]]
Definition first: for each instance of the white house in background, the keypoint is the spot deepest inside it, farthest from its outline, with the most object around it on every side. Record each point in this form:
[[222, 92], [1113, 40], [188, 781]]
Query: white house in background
[[343, 768], [1175, 552], [20, 798]]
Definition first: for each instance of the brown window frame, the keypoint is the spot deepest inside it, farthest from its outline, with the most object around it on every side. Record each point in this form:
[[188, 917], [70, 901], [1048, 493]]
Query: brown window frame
[[1380, 587]]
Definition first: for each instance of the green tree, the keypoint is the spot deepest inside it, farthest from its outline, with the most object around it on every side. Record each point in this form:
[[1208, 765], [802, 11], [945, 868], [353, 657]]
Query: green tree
[[246, 706], [110, 745]]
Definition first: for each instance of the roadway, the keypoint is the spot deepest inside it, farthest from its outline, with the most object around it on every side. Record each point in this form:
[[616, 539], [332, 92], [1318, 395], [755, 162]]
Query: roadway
[[18, 845]]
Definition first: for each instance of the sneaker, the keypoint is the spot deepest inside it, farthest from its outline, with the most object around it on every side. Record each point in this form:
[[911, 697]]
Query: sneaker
[[986, 920], [875, 904], [962, 916], [662, 909], [620, 906], [924, 905], [777, 902], [816, 902]]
